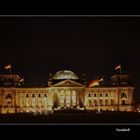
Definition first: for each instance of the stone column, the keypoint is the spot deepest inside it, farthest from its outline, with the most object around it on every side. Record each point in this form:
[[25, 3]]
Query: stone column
[[71, 106], [117, 102], [50, 100], [131, 98], [19, 100], [64, 98], [77, 98], [0, 102], [24, 95], [17, 105], [30, 101], [35, 101], [86, 99], [58, 98], [0, 98]]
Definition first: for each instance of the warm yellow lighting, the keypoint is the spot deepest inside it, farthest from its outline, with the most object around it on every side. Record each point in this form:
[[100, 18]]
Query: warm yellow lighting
[[8, 66], [118, 67], [112, 109]]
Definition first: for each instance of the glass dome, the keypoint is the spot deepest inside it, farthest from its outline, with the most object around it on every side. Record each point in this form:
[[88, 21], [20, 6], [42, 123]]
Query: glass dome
[[65, 74]]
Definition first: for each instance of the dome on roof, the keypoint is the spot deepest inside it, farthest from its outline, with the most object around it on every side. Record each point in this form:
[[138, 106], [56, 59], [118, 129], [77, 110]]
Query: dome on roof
[[65, 74]]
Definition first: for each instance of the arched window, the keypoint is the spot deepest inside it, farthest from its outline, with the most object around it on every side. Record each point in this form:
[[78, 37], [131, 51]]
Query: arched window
[[106, 94], [45, 95], [8, 96], [123, 95], [89, 95], [101, 94]]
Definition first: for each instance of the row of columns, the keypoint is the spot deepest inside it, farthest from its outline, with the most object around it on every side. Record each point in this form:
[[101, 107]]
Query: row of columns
[[67, 94]]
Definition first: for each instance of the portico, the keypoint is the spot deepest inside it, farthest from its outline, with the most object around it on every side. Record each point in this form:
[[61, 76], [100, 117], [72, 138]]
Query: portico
[[68, 94]]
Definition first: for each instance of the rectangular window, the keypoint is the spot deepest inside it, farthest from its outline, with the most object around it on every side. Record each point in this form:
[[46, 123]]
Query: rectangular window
[[123, 102], [101, 102], [106, 102], [112, 102]]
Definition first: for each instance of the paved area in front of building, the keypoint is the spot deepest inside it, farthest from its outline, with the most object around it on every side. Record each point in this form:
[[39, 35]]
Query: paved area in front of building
[[73, 117]]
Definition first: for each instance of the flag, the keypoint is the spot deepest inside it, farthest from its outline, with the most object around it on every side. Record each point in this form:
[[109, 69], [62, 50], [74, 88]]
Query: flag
[[7, 66], [101, 79], [94, 83], [21, 80], [118, 67]]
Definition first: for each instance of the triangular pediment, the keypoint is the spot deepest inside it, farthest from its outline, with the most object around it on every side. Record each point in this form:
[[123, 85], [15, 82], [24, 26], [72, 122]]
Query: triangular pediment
[[68, 83]]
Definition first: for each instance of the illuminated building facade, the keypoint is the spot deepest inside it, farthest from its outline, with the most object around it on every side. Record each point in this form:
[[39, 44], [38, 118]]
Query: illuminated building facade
[[65, 90]]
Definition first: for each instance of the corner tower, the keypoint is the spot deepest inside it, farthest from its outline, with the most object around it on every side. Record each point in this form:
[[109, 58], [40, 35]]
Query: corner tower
[[124, 91]]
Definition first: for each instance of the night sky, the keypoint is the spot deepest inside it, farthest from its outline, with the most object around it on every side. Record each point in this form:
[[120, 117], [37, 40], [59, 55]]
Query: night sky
[[37, 46]]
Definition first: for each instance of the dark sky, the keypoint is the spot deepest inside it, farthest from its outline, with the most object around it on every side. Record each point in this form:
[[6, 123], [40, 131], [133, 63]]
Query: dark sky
[[92, 45]]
